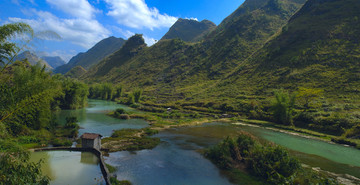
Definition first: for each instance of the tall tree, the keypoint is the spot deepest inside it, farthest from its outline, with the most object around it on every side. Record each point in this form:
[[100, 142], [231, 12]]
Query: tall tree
[[8, 49]]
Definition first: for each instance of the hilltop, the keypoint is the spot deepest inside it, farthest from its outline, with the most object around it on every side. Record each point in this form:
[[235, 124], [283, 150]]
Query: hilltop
[[189, 30], [33, 59], [94, 55]]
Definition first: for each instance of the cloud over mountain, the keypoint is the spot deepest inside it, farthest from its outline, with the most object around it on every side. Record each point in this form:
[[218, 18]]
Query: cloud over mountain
[[136, 14]]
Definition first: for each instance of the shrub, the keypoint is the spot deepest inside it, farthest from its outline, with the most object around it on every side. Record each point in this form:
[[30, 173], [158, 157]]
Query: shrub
[[271, 163], [120, 111], [124, 116]]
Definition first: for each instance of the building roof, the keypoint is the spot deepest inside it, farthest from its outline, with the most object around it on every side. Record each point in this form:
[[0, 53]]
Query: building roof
[[90, 136]]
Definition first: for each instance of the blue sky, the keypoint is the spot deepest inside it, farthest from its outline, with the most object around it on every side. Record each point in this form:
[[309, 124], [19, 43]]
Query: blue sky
[[83, 23]]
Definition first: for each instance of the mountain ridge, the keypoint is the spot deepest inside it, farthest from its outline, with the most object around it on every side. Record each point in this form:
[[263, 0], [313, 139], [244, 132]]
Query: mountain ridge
[[94, 55], [189, 30]]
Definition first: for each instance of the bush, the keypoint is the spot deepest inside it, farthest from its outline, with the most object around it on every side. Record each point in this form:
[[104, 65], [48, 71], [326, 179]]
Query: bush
[[120, 111], [124, 116], [271, 163], [150, 132], [61, 142]]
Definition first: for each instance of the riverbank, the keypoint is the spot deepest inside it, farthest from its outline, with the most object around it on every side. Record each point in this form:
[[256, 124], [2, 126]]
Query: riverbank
[[161, 121]]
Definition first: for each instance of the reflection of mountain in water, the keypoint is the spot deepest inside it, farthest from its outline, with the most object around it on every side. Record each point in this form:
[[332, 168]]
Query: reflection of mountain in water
[[89, 158]]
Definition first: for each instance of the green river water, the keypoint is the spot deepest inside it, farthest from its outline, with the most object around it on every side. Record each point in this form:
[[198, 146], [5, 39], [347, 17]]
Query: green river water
[[176, 160]]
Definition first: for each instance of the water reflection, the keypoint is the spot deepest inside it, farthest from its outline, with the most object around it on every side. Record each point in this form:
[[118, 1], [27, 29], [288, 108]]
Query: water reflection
[[330, 157], [174, 161], [64, 167], [89, 158], [93, 119]]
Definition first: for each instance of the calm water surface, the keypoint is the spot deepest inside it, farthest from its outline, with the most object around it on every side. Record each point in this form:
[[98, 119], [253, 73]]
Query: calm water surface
[[93, 119], [330, 157], [177, 160], [65, 167]]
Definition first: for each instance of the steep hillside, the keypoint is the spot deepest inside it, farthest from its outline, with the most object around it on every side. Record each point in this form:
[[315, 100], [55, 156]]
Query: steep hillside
[[244, 32], [54, 62], [319, 48], [94, 55], [75, 72], [189, 30], [175, 63], [131, 48], [32, 58]]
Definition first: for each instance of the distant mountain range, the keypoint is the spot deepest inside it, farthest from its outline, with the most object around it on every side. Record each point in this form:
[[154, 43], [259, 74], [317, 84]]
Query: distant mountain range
[[33, 59], [94, 55], [189, 30], [54, 62]]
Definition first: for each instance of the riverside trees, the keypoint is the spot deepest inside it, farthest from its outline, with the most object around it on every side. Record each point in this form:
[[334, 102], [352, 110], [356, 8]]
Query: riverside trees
[[28, 97]]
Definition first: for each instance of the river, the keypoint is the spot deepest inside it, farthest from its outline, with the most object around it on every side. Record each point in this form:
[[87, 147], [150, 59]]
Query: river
[[176, 159]]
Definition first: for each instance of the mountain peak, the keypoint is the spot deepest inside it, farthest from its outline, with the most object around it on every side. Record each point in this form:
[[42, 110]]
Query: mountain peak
[[94, 55], [189, 30]]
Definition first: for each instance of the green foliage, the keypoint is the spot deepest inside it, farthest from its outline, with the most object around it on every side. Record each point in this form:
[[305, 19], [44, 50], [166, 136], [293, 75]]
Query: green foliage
[[131, 140], [274, 164], [114, 181], [8, 50], [120, 111], [130, 99], [111, 169], [283, 107], [105, 91], [61, 142], [150, 132], [137, 95], [307, 97], [32, 92], [354, 132], [119, 91], [16, 168], [268, 162]]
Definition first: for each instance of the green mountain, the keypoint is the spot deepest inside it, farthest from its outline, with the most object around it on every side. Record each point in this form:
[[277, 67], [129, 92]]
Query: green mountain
[[318, 48], [54, 62], [309, 50], [33, 59], [75, 72], [94, 55], [131, 48], [189, 30], [175, 63]]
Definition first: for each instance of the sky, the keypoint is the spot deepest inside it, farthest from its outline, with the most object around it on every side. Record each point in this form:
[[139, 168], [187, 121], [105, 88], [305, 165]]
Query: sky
[[67, 27]]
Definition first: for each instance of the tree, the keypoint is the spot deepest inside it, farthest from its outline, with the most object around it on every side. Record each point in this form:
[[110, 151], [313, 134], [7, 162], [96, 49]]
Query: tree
[[283, 107], [137, 95], [8, 50]]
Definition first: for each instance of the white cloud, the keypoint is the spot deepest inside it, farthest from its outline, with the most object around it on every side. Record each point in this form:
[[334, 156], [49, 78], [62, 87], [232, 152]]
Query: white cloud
[[127, 34], [149, 41], [77, 8], [192, 18], [83, 32], [136, 14]]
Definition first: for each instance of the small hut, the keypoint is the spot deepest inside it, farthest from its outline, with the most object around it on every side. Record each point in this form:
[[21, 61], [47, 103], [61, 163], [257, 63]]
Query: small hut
[[91, 140]]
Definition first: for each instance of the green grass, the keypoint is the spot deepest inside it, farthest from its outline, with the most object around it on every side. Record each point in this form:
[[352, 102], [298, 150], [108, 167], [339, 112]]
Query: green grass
[[111, 169]]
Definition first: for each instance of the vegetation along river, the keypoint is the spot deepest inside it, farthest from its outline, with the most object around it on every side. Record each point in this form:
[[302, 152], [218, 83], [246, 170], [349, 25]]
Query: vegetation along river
[[176, 159]]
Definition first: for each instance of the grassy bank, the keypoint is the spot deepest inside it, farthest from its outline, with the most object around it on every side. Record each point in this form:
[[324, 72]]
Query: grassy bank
[[130, 140]]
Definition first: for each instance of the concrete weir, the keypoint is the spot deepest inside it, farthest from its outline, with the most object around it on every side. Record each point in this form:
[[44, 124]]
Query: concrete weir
[[103, 167]]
